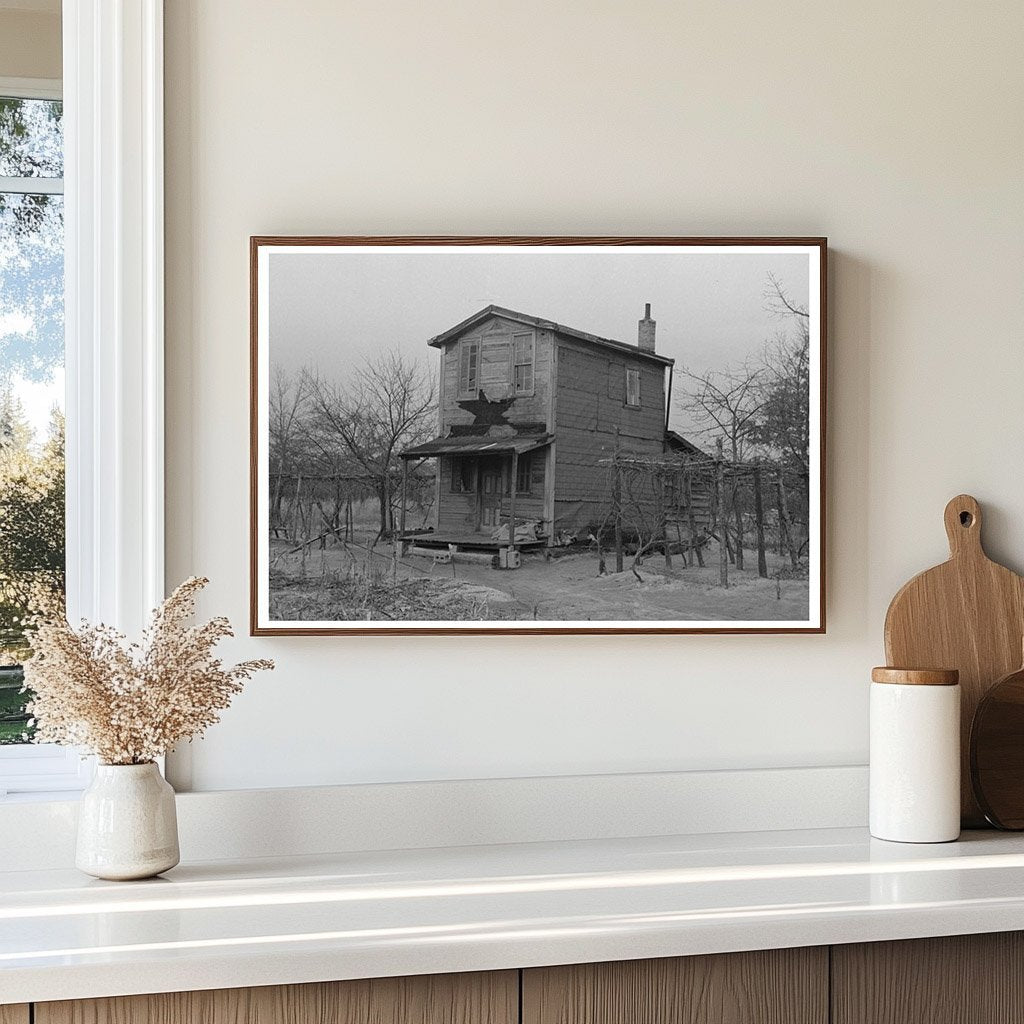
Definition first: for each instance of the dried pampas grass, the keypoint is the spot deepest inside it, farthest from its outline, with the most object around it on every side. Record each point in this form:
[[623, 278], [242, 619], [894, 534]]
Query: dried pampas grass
[[130, 703]]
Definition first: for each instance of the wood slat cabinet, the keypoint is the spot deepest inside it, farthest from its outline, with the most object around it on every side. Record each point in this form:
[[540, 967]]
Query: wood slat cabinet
[[968, 979], [777, 986], [481, 998], [962, 979]]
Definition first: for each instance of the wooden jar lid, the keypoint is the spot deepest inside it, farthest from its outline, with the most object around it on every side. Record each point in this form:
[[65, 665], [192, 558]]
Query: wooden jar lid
[[916, 676]]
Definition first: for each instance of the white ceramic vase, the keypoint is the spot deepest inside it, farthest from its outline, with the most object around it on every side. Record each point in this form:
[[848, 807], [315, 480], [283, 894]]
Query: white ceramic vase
[[127, 825]]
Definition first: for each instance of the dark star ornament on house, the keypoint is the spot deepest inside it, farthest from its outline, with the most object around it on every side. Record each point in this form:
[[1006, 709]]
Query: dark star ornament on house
[[486, 413]]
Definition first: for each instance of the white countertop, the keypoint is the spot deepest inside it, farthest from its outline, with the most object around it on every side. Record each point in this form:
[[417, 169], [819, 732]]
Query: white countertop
[[351, 915]]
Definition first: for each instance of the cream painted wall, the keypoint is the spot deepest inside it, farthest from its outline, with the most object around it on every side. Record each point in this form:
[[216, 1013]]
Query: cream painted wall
[[895, 129], [30, 43]]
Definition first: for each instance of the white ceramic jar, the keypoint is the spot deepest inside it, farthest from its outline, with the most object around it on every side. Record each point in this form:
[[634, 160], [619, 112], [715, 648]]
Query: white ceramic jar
[[915, 755], [127, 823]]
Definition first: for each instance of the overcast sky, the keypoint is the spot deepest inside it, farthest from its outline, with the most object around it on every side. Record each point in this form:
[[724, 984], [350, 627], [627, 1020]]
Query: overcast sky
[[331, 310]]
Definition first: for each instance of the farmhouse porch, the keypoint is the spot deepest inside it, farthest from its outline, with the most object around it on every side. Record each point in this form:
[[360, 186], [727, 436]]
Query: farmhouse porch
[[487, 491]]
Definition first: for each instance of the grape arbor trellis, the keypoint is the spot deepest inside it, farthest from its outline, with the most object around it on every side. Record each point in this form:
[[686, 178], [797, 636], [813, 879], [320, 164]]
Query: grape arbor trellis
[[654, 498], [312, 509]]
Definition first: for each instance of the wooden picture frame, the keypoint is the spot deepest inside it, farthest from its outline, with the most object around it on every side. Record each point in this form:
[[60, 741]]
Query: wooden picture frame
[[545, 465]]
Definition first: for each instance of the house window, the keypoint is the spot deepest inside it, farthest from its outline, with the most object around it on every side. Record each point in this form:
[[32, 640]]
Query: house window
[[469, 361], [633, 388], [494, 364], [524, 477], [523, 344], [463, 476], [32, 540], [530, 474]]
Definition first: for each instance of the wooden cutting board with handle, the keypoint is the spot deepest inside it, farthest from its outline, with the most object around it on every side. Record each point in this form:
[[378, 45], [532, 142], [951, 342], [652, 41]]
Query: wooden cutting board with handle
[[967, 614]]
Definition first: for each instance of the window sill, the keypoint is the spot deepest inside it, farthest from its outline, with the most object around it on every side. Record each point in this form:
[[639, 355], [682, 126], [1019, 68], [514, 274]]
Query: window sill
[[41, 797], [42, 771]]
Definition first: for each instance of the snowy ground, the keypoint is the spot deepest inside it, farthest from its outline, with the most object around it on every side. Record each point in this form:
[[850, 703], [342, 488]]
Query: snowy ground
[[357, 584]]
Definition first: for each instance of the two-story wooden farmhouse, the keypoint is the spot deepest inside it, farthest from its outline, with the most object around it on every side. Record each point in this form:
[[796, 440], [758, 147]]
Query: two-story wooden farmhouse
[[529, 413]]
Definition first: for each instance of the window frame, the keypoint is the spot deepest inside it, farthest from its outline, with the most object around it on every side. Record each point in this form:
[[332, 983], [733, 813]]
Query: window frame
[[632, 372], [467, 349], [524, 465], [31, 89], [532, 363], [38, 767], [496, 341], [457, 463], [112, 89]]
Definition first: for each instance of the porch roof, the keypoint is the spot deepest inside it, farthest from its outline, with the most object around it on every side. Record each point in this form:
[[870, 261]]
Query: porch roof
[[519, 443]]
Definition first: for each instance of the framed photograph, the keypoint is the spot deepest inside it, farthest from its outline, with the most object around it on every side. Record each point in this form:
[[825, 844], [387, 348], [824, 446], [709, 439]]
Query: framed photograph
[[537, 435]]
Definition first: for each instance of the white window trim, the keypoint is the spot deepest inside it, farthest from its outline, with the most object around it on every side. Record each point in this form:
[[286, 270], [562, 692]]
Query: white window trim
[[31, 186], [32, 88], [113, 160]]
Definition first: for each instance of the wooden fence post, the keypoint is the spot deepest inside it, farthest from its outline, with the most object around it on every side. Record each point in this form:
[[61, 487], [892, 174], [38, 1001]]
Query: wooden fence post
[[737, 512], [785, 528], [694, 546], [720, 517], [512, 501], [666, 548], [401, 511], [762, 561], [617, 497]]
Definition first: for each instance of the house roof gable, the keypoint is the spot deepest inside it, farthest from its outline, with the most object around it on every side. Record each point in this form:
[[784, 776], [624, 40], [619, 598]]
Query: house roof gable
[[440, 340]]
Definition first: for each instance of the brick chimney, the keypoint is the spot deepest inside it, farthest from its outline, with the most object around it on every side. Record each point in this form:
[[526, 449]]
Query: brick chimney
[[645, 331]]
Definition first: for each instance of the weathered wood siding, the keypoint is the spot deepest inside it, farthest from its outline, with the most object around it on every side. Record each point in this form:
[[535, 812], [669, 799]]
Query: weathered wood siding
[[525, 408], [459, 513], [590, 404]]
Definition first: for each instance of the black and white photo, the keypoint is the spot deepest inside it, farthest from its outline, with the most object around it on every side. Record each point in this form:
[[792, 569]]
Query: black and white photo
[[537, 435]]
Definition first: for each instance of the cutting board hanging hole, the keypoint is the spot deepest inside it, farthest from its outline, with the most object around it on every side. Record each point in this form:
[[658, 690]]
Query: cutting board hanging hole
[[963, 526]]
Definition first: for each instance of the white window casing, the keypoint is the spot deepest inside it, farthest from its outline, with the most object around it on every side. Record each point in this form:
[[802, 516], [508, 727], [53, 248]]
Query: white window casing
[[113, 115], [113, 184]]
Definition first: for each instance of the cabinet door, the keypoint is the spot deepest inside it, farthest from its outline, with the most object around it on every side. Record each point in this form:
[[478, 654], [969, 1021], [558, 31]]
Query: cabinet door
[[962, 979], [779, 986], [14, 1014], [490, 998]]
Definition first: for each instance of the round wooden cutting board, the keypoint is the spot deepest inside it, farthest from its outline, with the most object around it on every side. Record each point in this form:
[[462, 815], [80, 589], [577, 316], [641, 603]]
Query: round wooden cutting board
[[968, 614]]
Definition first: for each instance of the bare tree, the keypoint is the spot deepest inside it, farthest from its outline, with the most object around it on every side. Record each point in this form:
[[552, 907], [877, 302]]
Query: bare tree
[[760, 412], [785, 428], [786, 422], [287, 409], [386, 406], [781, 305], [727, 406]]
